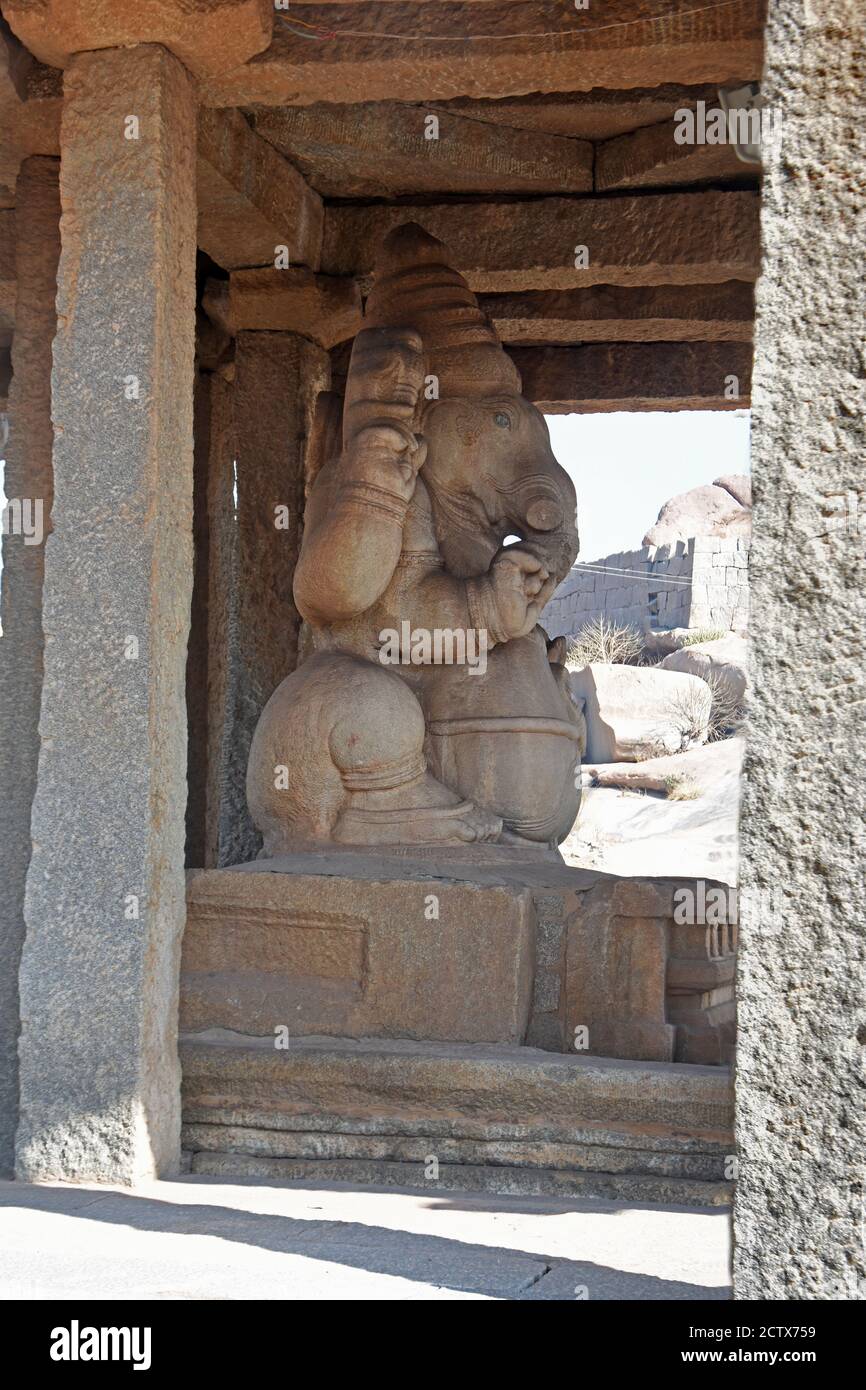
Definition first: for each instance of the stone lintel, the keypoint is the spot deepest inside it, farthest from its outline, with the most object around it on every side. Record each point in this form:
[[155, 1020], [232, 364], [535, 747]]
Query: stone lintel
[[635, 376], [567, 243], [629, 49], [251, 201], [611, 313], [597, 115], [326, 308], [105, 889]]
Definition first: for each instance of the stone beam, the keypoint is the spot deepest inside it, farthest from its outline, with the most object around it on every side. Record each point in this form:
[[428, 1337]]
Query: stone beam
[[105, 889], [609, 313], [671, 238], [409, 51], [635, 376], [599, 115], [596, 115], [28, 477], [251, 201], [325, 308], [208, 37], [389, 149], [651, 157]]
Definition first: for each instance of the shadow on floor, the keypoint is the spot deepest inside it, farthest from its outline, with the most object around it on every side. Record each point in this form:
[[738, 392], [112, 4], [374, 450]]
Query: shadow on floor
[[494, 1271]]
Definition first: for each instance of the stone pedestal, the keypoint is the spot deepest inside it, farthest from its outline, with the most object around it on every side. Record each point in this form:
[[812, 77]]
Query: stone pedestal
[[282, 954], [105, 888], [491, 945]]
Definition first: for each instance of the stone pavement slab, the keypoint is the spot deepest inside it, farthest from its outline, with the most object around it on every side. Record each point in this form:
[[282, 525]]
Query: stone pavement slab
[[198, 1238]]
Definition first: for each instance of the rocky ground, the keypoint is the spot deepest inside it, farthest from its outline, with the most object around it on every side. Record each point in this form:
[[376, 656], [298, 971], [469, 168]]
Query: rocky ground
[[674, 815]]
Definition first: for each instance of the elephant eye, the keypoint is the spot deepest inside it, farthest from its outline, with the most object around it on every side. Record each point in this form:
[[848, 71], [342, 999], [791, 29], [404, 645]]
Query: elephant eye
[[502, 420]]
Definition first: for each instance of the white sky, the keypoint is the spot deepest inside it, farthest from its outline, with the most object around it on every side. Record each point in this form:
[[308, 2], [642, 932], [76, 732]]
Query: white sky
[[625, 465]]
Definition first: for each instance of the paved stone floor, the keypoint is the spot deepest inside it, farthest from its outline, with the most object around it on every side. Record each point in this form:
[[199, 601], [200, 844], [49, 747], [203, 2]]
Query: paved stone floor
[[203, 1238]]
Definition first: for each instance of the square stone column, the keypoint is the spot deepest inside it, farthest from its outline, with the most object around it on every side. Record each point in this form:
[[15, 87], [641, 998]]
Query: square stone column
[[259, 424], [105, 890], [29, 487], [799, 1210]]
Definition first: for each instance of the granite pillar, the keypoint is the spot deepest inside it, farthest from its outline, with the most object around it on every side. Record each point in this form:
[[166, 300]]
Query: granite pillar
[[798, 1219], [29, 486], [105, 889]]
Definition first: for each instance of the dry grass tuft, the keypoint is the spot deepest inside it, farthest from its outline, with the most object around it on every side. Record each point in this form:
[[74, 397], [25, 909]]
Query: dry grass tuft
[[604, 642]]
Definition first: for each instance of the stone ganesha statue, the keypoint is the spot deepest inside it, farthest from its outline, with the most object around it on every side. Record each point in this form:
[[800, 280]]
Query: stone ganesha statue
[[433, 710]]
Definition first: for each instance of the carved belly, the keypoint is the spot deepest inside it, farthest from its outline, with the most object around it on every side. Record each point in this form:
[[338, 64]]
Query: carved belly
[[505, 740]]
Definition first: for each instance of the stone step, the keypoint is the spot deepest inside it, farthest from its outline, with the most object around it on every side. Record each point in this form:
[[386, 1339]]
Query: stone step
[[491, 1083], [497, 1118], [606, 1151], [463, 1177]]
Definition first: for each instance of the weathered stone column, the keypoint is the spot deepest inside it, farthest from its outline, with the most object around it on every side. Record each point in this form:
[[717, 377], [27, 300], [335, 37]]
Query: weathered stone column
[[105, 889], [798, 1219], [29, 488], [258, 426]]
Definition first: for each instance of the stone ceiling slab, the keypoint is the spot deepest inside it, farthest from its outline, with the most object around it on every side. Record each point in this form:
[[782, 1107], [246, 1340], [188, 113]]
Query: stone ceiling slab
[[438, 51]]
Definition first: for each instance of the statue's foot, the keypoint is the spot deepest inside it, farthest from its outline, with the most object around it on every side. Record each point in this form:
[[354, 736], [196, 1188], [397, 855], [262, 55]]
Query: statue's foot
[[422, 812]]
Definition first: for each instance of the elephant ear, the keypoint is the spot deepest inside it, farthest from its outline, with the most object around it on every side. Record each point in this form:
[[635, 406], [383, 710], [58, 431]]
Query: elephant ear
[[385, 380]]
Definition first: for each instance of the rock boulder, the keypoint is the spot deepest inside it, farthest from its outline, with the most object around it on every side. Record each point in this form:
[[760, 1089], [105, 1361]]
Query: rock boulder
[[711, 510], [635, 712], [726, 660]]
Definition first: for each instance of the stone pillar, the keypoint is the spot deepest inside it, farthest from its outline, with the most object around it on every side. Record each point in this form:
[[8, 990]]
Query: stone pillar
[[798, 1218], [105, 889], [258, 427], [197, 651], [29, 485]]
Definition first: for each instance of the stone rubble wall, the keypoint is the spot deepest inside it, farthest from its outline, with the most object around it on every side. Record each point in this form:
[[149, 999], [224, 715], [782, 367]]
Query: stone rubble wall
[[702, 582]]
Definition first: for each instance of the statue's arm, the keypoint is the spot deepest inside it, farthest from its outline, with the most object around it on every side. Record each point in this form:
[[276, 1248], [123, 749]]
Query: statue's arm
[[504, 603], [354, 522], [356, 512]]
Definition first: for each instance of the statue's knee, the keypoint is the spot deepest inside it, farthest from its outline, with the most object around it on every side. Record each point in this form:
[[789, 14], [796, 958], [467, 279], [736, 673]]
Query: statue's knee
[[381, 730]]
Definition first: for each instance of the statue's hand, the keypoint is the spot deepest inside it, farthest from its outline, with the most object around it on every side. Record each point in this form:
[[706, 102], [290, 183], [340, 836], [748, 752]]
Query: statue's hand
[[520, 586], [385, 454]]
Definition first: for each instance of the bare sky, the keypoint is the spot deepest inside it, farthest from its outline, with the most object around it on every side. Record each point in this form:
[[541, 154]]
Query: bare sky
[[626, 465]]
